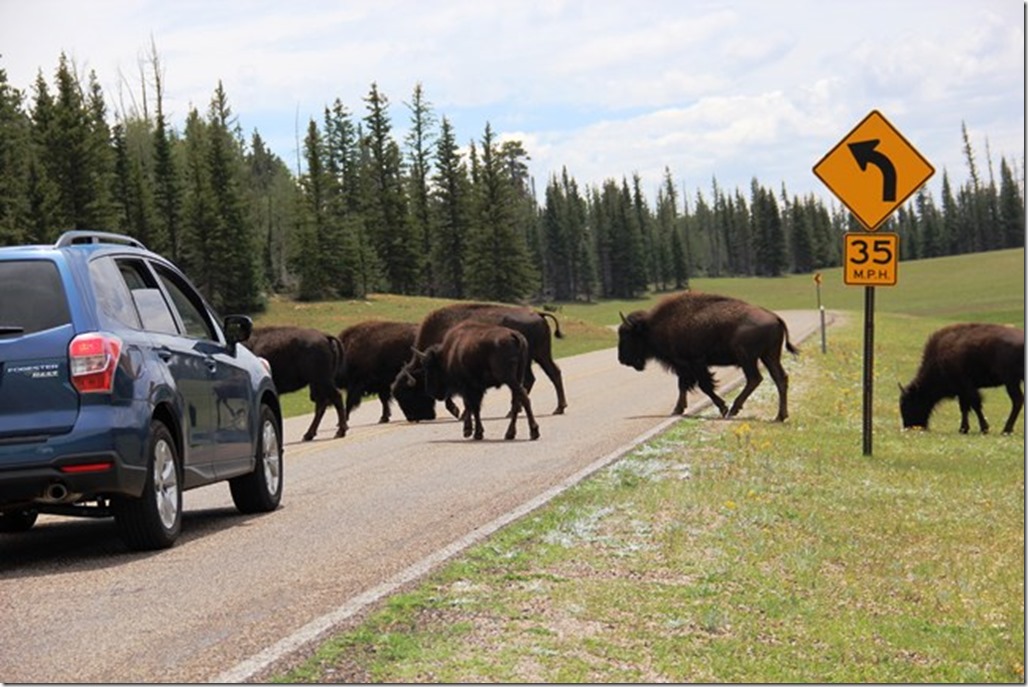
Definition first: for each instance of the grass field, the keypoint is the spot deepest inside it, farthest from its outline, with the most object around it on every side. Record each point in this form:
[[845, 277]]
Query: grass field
[[750, 551]]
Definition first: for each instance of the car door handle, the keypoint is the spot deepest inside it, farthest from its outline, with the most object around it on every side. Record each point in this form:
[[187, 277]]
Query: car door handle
[[212, 364], [164, 354]]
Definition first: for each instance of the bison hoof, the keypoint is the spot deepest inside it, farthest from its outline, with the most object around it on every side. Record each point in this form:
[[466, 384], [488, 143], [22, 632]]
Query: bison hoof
[[534, 433], [509, 436], [559, 410], [383, 420], [309, 436], [479, 436], [340, 433]]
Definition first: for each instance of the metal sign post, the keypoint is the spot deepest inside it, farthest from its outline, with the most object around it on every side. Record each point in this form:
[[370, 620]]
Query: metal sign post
[[869, 363], [821, 311]]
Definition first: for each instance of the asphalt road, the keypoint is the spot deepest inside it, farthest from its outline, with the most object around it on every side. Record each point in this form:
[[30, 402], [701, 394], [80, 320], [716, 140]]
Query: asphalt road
[[360, 516]]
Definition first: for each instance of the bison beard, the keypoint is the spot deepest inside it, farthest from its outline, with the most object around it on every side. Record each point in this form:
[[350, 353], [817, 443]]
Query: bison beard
[[689, 332], [960, 359], [302, 357], [472, 357]]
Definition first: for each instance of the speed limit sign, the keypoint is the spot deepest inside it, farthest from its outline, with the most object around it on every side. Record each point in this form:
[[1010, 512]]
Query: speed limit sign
[[870, 259]]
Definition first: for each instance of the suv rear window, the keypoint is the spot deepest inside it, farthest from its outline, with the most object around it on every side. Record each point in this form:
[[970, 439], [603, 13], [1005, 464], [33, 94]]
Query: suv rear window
[[33, 297]]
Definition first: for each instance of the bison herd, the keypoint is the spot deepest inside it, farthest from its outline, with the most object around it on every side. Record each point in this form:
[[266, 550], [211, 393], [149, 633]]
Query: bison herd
[[462, 350]]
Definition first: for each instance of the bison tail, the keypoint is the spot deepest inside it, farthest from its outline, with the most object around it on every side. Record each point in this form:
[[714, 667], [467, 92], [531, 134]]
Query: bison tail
[[788, 344], [556, 324], [339, 358]]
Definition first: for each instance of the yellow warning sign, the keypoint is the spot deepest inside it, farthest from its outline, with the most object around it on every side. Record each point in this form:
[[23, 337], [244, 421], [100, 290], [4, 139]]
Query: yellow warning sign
[[870, 259], [873, 170]]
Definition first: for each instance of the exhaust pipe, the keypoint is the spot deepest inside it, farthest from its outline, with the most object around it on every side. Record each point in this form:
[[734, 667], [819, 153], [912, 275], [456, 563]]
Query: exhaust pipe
[[55, 492]]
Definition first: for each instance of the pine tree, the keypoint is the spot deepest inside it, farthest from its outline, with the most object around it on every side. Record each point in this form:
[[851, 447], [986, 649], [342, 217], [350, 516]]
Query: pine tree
[[310, 260], [385, 201], [200, 224], [497, 266], [238, 280], [15, 157], [1011, 208], [167, 185], [419, 146], [99, 153], [451, 198]]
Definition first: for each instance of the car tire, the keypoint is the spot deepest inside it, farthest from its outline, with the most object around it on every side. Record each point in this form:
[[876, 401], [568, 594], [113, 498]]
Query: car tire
[[154, 519], [261, 490], [17, 521]]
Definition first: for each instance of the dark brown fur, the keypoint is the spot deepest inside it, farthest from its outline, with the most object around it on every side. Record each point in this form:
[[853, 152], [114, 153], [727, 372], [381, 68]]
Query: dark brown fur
[[375, 352], [689, 332], [472, 357], [530, 323], [960, 359], [302, 357]]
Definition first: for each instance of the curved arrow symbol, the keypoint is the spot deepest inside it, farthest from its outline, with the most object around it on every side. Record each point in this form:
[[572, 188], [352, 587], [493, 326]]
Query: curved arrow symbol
[[864, 153]]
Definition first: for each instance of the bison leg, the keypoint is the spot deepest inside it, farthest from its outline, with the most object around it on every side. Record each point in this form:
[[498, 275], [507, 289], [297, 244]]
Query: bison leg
[[706, 383], [970, 399], [553, 372], [528, 383], [781, 380], [452, 407], [341, 414], [1016, 403], [383, 397], [473, 412], [684, 384], [319, 411], [519, 399], [753, 380]]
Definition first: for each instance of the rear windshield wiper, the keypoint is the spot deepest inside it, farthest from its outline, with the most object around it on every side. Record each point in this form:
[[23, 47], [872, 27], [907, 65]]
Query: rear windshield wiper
[[10, 329]]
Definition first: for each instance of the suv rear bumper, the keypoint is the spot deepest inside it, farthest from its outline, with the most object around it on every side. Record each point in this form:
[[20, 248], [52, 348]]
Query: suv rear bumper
[[52, 485], [103, 455]]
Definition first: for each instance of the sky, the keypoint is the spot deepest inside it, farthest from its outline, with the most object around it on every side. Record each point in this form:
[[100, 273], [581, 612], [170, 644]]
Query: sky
[[714, 91]]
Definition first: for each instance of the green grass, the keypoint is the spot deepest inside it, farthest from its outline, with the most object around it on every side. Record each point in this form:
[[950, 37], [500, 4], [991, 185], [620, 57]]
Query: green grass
[[750, 551]]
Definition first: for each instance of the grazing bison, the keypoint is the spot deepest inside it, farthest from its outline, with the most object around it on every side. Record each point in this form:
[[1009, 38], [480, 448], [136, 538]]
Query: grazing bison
[[472, 357], [960, 359], [302, 357], [688, 332], [417, 405], [374, 353]]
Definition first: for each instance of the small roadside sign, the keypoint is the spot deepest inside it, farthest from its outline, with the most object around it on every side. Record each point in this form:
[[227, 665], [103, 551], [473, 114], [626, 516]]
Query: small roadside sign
[[870, 259], [873, 170]]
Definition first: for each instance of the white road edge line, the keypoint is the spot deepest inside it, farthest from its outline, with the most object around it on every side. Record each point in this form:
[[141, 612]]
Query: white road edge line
[[313, 630]]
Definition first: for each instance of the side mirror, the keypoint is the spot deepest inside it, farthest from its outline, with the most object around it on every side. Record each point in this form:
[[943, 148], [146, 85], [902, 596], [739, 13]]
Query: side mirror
[[237, 328]]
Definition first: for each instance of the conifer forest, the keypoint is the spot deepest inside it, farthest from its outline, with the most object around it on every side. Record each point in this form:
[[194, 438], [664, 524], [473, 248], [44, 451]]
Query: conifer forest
[[427, 215]]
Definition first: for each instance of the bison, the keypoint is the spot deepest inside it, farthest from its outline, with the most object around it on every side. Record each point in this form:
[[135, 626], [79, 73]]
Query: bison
[[960, 359], [472, 357], [374, 353], [690, 331], [532, 324], [302, 357]]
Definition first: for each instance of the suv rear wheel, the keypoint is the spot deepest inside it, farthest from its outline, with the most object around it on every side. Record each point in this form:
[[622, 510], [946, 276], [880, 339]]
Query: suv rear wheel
[[154, 520], [261, 490]]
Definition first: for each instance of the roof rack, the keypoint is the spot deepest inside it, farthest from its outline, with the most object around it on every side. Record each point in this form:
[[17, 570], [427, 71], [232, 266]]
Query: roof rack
[[69, 238]]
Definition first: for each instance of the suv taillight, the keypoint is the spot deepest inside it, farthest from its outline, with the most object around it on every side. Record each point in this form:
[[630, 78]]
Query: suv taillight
[[93, 360]]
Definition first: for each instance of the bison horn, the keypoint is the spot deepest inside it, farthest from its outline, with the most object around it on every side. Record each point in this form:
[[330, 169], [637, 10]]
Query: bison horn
[[624, 319]]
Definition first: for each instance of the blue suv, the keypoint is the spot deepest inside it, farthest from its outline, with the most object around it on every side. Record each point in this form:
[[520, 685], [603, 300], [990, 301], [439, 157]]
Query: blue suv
[[120, 388]]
